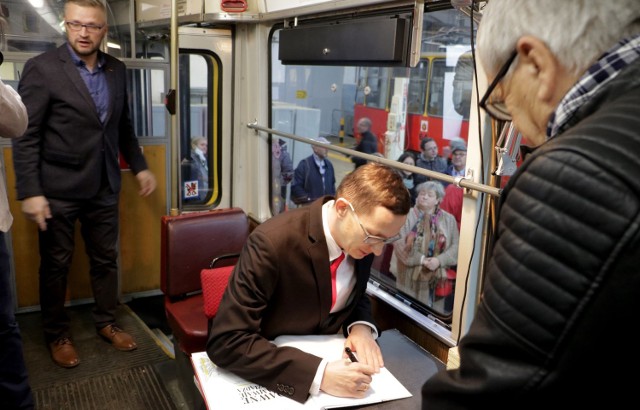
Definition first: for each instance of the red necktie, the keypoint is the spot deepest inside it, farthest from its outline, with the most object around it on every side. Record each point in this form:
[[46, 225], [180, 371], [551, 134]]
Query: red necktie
[[334, 269]]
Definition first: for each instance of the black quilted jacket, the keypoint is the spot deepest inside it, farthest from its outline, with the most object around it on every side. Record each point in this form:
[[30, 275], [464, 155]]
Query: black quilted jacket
[[562, 293]]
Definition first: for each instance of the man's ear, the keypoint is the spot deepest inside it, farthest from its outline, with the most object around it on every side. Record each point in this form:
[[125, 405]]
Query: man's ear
[[341, 207], [543, 63]]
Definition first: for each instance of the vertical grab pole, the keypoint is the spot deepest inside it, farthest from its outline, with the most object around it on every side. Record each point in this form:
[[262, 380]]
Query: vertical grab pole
[[175, 137]]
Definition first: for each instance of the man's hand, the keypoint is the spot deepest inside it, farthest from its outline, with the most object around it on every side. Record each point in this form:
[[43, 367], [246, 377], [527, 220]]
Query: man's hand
[[36, 208], [343, 378], [361, 341], [147, 182]]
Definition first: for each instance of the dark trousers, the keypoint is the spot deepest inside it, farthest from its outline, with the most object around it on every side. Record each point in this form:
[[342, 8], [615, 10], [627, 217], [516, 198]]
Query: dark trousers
[[15, 392], [99, 226]]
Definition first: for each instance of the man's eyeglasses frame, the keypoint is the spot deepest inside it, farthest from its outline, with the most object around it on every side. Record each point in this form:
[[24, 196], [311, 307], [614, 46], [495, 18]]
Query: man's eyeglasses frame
[[497, 109], [368, 238], [77, 26]]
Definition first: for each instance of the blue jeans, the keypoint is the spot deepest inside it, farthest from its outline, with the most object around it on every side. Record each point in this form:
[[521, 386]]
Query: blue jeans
[[15, 392]]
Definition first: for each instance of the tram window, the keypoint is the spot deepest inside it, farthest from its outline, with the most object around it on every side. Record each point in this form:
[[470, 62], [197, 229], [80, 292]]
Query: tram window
[[418, 87], [319, 101], [436, 91], [372, 87], [147, 108], [200, 129]]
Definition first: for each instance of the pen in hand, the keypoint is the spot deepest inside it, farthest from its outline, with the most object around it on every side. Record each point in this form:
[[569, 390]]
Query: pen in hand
[[352, 357]]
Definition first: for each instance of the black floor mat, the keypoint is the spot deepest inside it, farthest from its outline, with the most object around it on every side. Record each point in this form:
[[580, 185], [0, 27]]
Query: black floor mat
[[106, 378], [126, 389]]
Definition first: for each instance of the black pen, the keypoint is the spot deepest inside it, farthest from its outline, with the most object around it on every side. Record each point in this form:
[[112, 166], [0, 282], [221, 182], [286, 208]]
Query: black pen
[[352, 357]]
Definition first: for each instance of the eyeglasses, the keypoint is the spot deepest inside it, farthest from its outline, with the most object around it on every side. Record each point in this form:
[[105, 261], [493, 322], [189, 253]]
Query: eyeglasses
[[368, 238], [91, 28], [497, 109]]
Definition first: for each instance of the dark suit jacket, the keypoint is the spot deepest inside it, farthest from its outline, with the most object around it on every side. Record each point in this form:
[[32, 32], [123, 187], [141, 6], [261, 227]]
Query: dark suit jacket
[[66, 148], [282, 286], [368, 144]]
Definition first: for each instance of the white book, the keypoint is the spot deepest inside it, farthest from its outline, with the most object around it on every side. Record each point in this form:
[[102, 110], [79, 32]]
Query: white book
[[223, 390]]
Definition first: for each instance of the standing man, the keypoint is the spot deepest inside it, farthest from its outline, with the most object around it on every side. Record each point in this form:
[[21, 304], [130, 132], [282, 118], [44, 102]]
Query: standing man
[[15, 392], [368, 142], [563, 280], [429, 159], [283, 285], [314, 176], [67, 170]]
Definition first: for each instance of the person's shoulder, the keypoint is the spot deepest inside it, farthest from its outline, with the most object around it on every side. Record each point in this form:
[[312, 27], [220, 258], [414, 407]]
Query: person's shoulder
[[53, 54], [294, 220], [452, 189], [112, 61], [447, 216]]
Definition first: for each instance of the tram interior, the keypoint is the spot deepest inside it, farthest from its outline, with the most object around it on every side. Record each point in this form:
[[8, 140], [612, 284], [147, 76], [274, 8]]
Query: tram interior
[[307, 98]]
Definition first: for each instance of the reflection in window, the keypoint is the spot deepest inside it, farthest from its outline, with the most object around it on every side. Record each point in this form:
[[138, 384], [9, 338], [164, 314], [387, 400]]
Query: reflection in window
[[320, 101]]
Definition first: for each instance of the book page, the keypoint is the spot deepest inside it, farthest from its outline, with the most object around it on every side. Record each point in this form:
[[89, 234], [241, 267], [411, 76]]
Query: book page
[[230, 392]]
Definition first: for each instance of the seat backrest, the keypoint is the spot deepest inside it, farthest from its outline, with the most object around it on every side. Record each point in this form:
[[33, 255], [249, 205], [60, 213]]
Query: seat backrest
[[191, 241]]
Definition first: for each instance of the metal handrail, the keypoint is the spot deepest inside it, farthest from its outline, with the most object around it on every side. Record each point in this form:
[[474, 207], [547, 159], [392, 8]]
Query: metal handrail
[[458, 181]]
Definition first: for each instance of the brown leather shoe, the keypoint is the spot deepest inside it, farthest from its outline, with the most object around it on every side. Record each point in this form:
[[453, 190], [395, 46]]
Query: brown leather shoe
[[63, 353], [120, 339]]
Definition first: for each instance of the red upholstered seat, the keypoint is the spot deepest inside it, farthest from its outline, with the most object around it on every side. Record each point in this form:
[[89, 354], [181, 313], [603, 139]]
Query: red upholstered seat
[[188, 324], [190, 242]]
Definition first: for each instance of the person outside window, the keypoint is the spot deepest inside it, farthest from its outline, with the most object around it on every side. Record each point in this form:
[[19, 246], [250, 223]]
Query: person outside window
[[429, 159], [200, 164], [286, 171], [314, 176], [427, 248], [408, 177], [368, 143]]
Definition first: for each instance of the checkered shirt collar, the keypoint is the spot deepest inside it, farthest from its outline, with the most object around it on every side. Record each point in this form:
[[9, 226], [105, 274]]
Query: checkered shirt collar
[[600, 73]]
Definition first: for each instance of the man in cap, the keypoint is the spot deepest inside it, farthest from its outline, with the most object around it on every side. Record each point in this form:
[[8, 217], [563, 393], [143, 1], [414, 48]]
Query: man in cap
[[458, 158], [314, 176]]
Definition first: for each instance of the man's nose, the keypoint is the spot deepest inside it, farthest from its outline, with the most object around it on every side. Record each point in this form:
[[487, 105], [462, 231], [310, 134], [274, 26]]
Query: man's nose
[[376, 248]]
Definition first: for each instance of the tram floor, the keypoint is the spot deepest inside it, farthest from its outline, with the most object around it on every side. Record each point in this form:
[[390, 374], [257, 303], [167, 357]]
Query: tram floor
[[143, 379]]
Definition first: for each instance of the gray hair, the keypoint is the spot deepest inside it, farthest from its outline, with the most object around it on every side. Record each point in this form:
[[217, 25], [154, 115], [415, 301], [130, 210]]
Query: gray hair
[[576, 31], [434, 186]]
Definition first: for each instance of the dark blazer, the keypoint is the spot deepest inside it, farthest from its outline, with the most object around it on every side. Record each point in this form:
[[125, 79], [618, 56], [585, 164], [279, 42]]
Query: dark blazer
[[368, 144], [66, 148], [282, 286]]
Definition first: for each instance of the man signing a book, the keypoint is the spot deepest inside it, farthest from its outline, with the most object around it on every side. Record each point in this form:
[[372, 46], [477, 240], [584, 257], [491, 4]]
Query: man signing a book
[[292, 278]]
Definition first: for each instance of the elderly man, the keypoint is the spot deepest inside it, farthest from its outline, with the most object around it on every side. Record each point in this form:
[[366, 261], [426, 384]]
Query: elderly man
[[562, 283], [314, 176]]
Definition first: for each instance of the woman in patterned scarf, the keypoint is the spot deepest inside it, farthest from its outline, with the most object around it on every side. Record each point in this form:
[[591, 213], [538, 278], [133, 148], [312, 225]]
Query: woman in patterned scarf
[[427, 248]]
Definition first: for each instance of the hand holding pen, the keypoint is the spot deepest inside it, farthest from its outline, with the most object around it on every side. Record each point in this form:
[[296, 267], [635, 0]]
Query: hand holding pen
[[350, 354]]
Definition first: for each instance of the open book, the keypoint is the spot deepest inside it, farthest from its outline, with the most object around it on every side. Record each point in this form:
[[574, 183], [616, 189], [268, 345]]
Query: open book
[[225, 391]]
